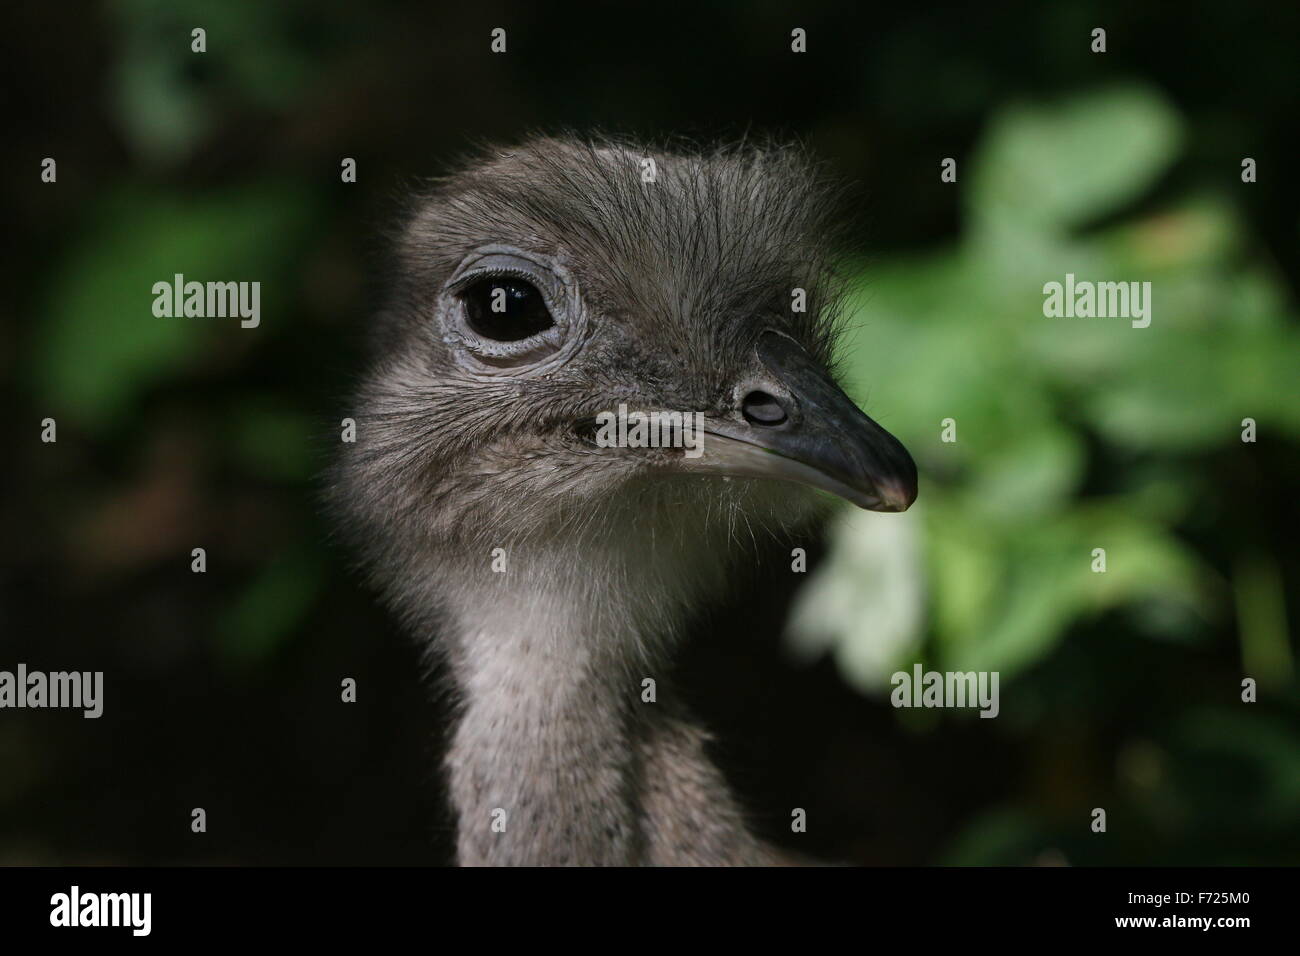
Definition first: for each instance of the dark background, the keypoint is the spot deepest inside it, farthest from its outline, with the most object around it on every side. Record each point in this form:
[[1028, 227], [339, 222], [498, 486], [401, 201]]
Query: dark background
[[222, 689]]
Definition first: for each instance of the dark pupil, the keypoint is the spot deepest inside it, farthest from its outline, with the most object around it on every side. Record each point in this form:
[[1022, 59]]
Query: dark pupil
[[506, 310]]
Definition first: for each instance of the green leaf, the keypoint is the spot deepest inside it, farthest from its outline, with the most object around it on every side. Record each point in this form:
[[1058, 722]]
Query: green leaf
[[1059, 166], [272, 441], [268, 610], [867, 605], [99, 346]]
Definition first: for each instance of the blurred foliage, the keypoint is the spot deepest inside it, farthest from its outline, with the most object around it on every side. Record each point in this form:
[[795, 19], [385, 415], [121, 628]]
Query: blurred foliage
[[1038, 401], [166, 100], [93, 357], [993, 567]]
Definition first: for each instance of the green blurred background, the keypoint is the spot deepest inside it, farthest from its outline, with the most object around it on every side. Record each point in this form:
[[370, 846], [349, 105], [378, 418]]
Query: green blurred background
[[1119, 690]]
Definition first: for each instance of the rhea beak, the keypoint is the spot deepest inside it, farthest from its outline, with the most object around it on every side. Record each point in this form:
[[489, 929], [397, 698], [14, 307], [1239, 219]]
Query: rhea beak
[[816, 437]]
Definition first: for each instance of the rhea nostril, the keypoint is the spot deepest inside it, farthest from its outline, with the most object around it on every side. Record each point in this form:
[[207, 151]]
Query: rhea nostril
[[760, 408]]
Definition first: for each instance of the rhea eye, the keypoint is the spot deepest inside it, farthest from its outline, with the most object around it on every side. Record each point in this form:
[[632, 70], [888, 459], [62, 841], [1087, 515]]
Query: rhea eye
[[506, 309]]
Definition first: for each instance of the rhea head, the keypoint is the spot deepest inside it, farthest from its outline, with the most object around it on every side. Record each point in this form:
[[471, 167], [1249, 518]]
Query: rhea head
[[546, 284]]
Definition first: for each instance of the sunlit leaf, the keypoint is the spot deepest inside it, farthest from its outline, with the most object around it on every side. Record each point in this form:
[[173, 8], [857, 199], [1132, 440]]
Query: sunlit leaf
[[99, 345], [1063, 164]]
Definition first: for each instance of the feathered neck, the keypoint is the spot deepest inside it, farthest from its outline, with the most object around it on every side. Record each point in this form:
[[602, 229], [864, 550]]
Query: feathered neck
[[560, 756]]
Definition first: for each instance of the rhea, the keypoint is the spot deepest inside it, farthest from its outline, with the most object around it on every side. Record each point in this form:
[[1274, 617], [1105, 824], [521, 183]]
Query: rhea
[[532, 291]]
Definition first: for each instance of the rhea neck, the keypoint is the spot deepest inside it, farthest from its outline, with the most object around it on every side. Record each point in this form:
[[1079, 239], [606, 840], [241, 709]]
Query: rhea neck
[[555, 756]]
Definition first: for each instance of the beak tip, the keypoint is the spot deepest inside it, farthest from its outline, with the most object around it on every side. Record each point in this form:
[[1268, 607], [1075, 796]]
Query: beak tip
[[895, 500], [897, 495]]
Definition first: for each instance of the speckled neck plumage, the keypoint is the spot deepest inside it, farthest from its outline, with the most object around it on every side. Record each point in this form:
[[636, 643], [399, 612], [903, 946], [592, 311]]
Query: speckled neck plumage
[[557, 758]]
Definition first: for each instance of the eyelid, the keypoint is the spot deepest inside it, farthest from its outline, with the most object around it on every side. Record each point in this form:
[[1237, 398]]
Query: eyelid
[[462, 282], [502, 261], [523, 357]]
